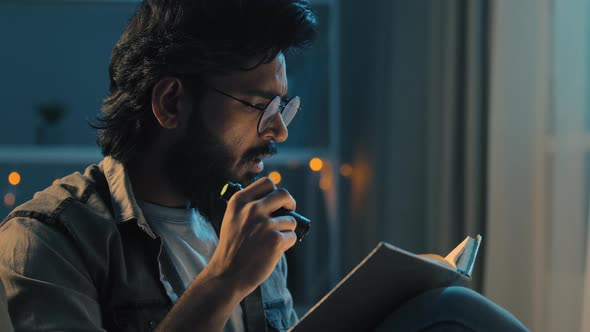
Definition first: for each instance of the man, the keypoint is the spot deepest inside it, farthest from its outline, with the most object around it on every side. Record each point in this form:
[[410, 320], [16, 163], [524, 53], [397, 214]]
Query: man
[[141, 241], [197, 98]]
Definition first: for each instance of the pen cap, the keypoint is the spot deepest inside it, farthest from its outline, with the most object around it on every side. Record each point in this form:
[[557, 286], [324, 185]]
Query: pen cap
[[229, 189]]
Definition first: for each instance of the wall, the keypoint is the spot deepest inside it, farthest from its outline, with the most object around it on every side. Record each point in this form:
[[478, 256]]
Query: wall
[[55, 51]]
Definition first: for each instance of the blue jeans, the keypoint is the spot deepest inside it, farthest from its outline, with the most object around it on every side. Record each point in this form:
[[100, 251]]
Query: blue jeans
[[451, 309]]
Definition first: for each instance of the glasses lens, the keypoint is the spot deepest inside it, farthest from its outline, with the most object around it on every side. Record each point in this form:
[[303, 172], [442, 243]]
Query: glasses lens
[[290, 110], [268, 115]]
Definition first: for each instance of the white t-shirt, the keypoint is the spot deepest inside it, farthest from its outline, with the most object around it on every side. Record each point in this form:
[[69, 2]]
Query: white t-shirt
[[190, 241]]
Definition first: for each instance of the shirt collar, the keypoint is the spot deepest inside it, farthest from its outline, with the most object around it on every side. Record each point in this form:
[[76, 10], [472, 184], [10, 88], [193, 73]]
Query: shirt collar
[[125, 206]]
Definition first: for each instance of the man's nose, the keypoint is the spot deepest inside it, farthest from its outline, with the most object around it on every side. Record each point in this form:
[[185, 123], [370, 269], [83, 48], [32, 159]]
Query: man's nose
[[277, 130]]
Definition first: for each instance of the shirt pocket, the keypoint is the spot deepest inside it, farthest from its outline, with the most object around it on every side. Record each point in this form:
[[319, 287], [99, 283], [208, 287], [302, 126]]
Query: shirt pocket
[[139, 317], [278, 314]]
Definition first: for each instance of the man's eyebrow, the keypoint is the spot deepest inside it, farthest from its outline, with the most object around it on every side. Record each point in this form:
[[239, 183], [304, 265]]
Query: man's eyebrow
[[268, 94]]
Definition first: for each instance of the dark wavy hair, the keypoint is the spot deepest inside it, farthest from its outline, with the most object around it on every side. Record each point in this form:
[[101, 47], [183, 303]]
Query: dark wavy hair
[[196, 37]]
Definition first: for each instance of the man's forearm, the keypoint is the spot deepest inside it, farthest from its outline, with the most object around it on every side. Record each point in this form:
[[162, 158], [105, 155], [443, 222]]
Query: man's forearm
[[205, 306]]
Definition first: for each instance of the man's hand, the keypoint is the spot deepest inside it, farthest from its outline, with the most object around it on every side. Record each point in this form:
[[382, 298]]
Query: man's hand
[[251, 242]]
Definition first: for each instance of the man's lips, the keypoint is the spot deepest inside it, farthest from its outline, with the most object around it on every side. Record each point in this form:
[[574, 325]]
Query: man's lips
[[256, 165]]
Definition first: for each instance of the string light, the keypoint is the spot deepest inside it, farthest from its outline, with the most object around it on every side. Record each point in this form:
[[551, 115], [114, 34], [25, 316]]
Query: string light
[[275, 177], [9, 199], [325, 183], [316, 164], [14, 178], [346, 170]]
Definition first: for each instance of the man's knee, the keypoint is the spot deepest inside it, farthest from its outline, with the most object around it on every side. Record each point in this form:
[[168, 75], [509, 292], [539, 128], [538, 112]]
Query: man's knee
[[458, 306]]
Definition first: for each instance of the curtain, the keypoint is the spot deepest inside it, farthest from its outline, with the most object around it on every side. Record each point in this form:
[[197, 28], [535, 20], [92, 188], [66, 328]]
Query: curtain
[[414, 77], [458, 125]]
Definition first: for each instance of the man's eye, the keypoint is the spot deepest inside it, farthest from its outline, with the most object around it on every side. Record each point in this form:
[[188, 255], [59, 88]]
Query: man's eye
[[257, 107]]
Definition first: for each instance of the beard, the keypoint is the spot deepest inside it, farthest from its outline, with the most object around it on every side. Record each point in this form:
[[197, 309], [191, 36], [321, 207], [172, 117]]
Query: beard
[[199, 165]]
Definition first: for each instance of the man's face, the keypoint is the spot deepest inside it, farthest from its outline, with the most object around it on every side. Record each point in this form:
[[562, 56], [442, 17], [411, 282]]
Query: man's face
[[221, 142]]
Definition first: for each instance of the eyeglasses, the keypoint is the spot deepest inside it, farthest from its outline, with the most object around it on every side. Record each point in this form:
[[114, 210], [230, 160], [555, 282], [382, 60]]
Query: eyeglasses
[[287, 109]]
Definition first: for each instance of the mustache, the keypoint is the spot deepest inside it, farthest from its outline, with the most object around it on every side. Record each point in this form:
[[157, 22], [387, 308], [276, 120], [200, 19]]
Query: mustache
[[264, 150]]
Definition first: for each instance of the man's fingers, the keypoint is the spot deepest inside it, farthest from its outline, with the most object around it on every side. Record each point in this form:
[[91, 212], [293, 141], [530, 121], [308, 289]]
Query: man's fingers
[[289, 239], [285, 227], [276, 200], [256, 190], [283, 223]]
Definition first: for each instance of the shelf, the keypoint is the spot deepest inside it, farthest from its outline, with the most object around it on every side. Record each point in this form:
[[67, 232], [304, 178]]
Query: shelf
[[72, 154]]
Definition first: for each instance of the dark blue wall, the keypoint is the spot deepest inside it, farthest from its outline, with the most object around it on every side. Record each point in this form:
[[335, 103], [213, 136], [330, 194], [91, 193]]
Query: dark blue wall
[[55, 52]]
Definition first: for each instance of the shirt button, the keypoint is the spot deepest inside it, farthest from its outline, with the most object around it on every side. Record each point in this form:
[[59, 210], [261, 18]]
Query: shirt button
[[152, 324]]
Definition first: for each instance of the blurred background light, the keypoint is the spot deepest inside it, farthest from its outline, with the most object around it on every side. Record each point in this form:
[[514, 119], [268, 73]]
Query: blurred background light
[[275, 177], [316, 164], [14, 178], [346, 170], [9, 199]]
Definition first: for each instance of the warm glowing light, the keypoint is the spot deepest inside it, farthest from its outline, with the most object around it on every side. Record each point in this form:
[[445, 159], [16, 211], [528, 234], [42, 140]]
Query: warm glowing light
[[275, 177], [9, 199], [316, 164], [55, 181], [14, 178], [361, 182], [325, 183], [346, 170]]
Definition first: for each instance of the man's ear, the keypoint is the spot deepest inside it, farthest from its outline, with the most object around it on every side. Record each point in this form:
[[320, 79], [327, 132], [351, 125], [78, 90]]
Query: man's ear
[[165, 102]]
